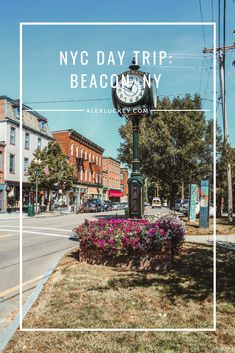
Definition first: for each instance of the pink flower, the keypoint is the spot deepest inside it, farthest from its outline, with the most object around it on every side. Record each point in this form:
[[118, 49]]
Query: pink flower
[[162, 231]]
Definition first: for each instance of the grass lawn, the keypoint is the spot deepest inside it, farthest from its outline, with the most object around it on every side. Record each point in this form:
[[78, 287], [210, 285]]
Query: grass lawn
[[81, 295], [222, 227]]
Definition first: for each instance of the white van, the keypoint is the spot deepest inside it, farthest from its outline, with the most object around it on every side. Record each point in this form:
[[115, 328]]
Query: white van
[[156, 202]]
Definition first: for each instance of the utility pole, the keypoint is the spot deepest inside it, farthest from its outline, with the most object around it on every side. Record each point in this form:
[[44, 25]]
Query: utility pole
[[221, 51]]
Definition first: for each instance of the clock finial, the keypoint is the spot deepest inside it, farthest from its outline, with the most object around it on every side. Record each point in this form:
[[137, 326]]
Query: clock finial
[[133, 65]]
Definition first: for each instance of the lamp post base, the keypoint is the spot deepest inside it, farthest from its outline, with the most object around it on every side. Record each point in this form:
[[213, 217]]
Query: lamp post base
[[135, 195]]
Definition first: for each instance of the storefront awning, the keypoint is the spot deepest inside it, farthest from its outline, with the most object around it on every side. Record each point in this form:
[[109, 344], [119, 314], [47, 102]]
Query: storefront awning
[[115, 193]]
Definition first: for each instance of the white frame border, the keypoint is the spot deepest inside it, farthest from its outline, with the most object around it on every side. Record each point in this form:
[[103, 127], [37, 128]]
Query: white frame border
[[213, 24]]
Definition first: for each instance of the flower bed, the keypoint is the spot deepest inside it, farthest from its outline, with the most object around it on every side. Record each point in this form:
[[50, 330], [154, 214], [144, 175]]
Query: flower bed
[[139, 244]]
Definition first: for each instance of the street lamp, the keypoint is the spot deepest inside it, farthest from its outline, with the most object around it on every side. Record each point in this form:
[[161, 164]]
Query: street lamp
[[37, 163], [133, 97]]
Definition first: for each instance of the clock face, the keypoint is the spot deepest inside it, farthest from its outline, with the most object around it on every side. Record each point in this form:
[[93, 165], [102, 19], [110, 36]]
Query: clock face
[[130, 91]]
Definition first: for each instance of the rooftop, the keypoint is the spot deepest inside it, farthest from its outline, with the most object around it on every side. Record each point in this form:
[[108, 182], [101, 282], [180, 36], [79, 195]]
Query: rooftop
[[16, 103], [113, 159], [80, 138]]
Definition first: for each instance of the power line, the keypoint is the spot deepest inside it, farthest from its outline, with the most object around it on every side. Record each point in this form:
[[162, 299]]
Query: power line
[[69, 101], [212, 11], [203, 32], [200, 84]]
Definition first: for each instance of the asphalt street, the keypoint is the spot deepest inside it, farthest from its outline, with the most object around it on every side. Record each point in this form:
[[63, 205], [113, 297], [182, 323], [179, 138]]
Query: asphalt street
[[45, 238]]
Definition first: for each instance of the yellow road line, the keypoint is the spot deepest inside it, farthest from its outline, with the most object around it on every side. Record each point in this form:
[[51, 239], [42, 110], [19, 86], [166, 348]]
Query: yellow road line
[[14, 289]]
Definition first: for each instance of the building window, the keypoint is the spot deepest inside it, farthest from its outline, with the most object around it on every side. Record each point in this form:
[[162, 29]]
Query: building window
[[97, 178], [26, 166], [122, 188], [81, 153], [1, 161], [81, 174], [26, 141], [86, 155], [43, 125], [122, 176], [12, 164], [97, 160], [89, 157], [17, 112], [39, 143], [71, 149], [77, 151], [12, 136]]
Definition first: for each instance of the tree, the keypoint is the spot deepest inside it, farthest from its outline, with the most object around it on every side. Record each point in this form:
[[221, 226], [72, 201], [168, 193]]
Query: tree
[[225, 155], [175, 147], [60, 173]]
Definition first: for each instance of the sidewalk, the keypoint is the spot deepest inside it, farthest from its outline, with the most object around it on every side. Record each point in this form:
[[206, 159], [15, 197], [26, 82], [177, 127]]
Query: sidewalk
[[225, 241], [16, 215]]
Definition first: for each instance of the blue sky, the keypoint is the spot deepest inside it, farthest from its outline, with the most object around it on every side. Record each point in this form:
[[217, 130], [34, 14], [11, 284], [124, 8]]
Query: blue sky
[[44, 80]]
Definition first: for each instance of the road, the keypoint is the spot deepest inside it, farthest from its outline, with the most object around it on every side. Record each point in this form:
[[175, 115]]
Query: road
[[45, 238]]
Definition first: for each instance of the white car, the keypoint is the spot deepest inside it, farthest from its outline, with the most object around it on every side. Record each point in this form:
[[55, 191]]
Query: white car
[[156, 202], [211, 210], [185, 207]]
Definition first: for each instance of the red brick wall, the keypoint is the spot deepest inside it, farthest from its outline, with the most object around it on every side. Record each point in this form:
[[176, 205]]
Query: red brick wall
[[65, 142], [113, 172]]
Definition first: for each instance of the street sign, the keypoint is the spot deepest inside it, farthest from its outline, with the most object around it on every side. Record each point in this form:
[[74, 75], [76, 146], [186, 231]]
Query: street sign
[[204, 204], [192, 202]]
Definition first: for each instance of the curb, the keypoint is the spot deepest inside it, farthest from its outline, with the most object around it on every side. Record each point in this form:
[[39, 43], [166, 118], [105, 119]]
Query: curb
[[11, 329], [48, 215]]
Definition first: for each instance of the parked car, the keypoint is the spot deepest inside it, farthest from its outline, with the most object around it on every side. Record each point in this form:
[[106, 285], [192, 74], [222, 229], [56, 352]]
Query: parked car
[[156, 202], [116, 206], [184, 206], [99, 203], [108, 205], [123, 205], [185, 209], [93, 205], [212, 211], [178, 204], [165, 203]]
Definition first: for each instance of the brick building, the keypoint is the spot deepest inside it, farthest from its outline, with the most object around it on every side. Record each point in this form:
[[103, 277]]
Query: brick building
[[124, 184], [111, 179], [86, 157]]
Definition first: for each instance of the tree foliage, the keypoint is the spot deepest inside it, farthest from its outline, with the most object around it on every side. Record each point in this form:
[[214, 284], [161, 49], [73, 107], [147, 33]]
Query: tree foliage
[[61, 174], [175, 146]]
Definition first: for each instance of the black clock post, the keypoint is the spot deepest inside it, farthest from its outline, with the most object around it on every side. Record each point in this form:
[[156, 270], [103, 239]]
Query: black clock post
[[136, 181], [134, 98]]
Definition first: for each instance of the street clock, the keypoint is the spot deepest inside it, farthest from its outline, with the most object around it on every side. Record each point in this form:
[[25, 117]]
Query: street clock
[[134, 91]]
